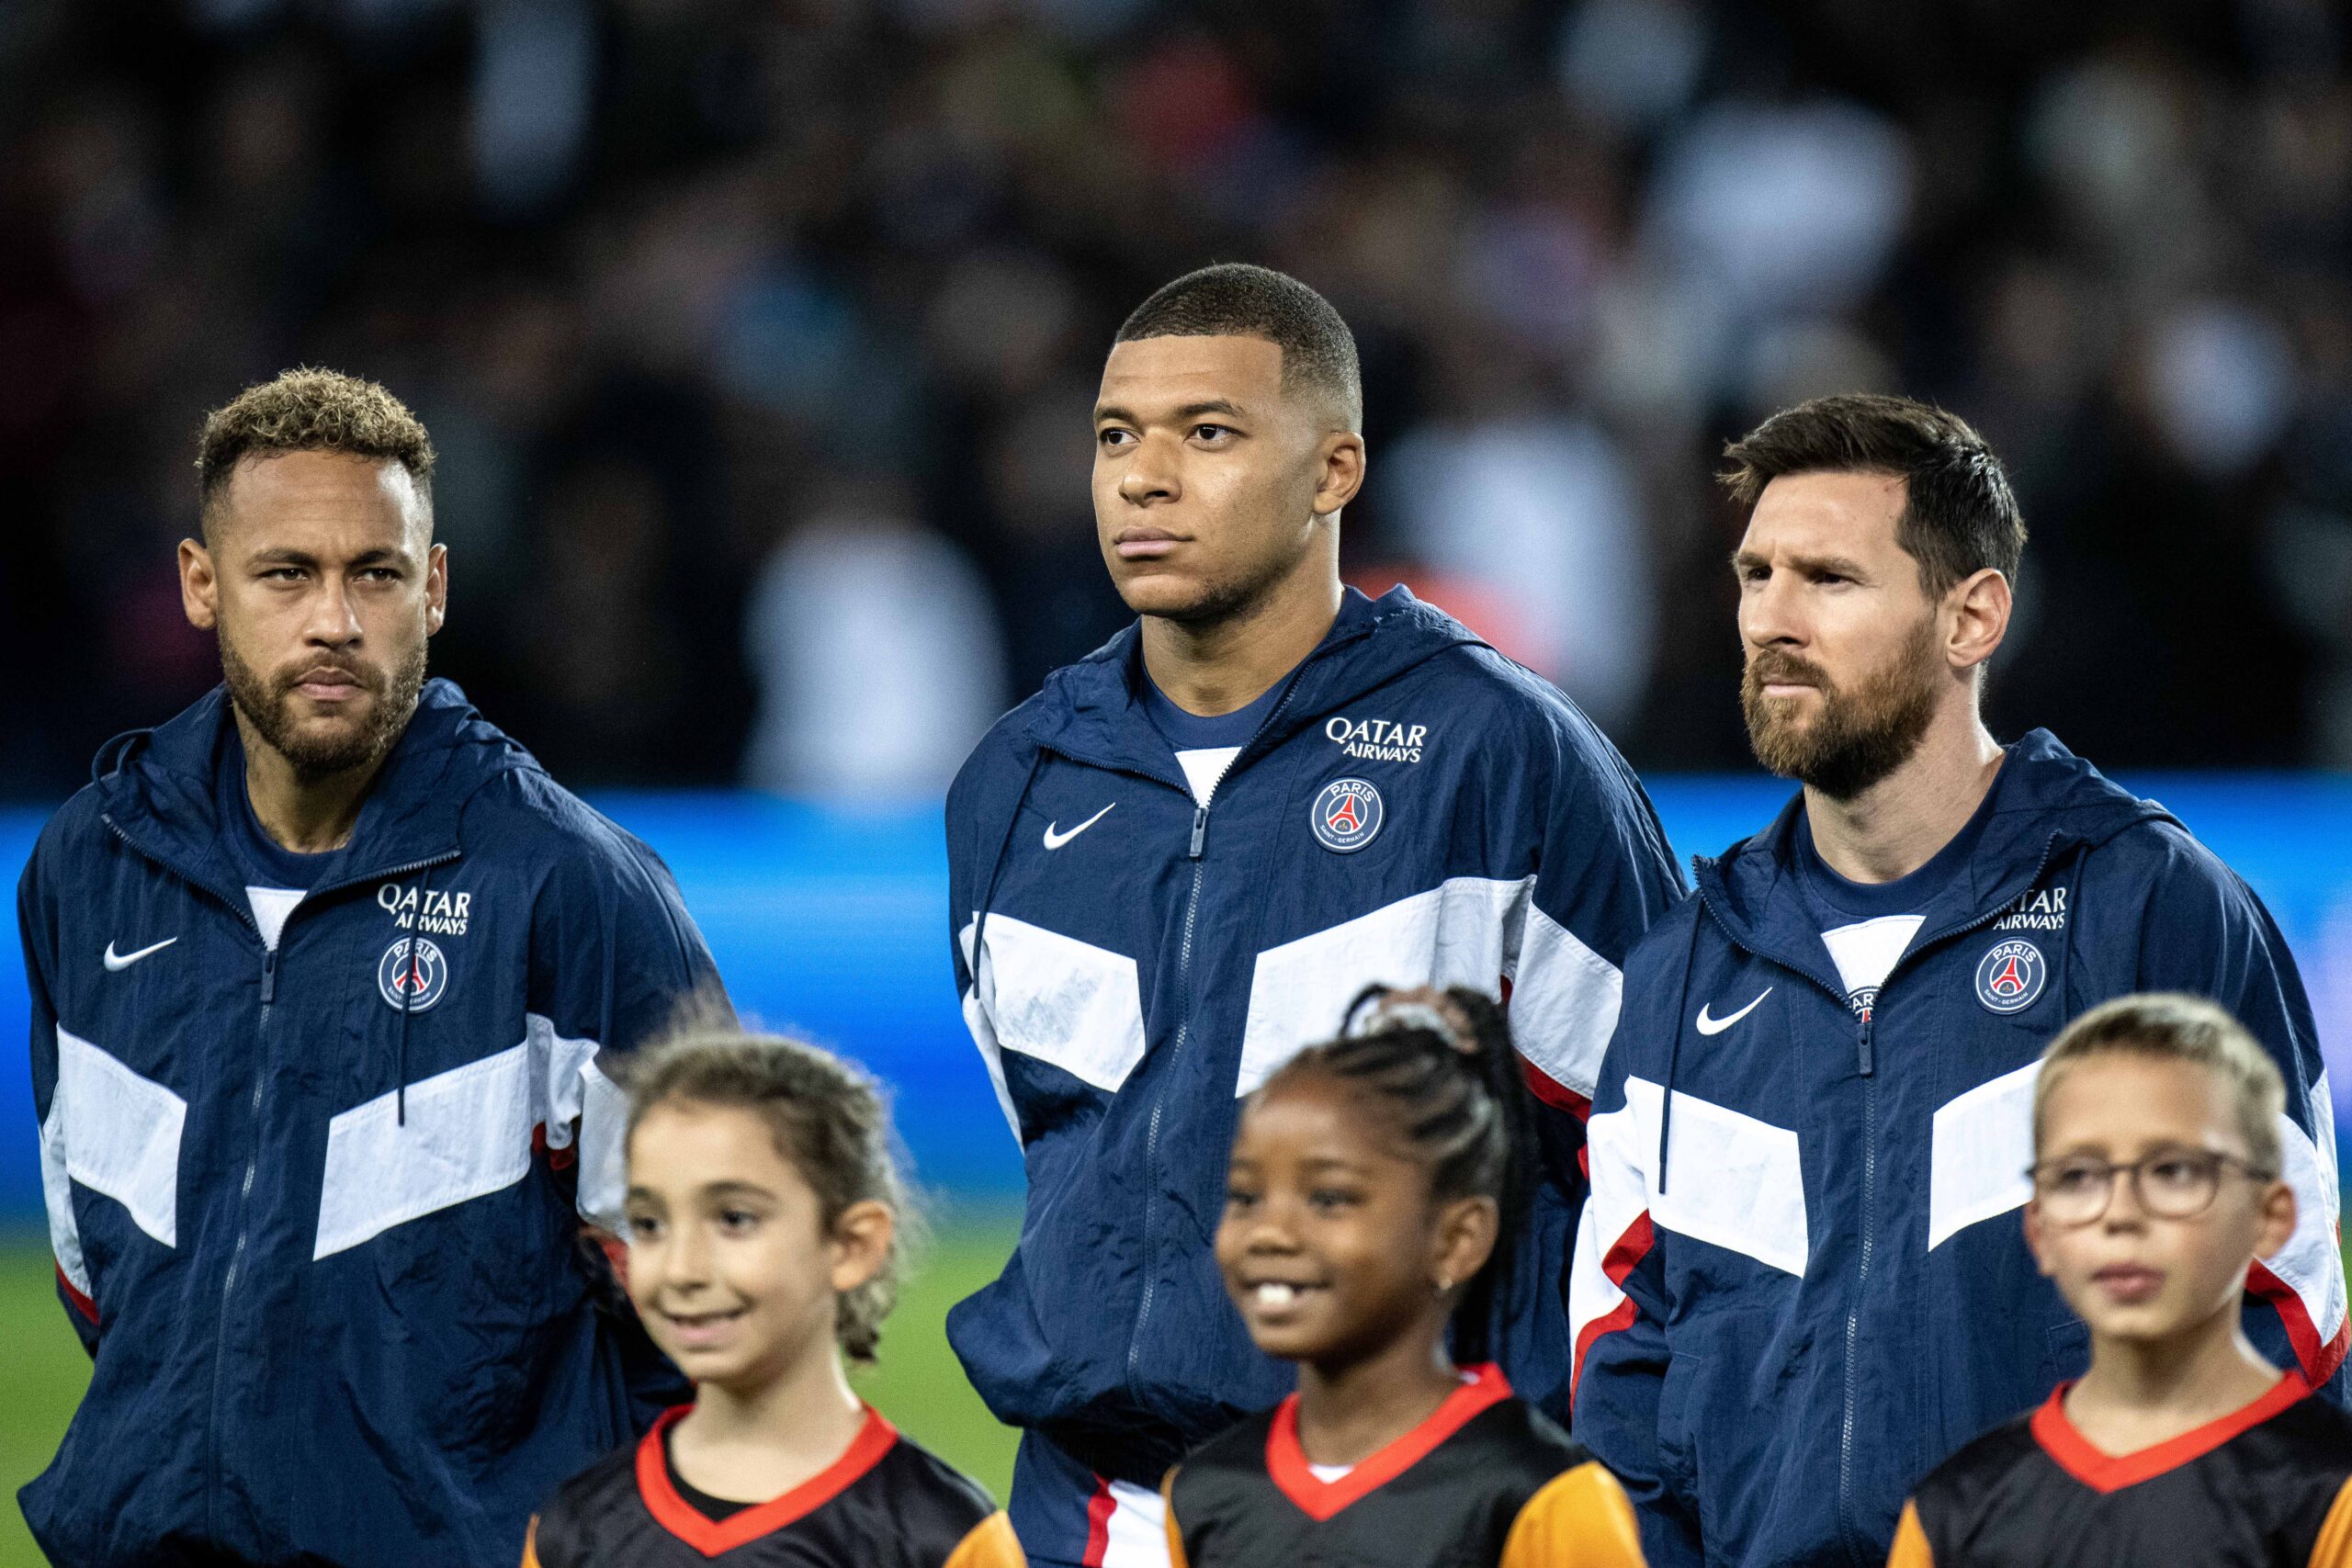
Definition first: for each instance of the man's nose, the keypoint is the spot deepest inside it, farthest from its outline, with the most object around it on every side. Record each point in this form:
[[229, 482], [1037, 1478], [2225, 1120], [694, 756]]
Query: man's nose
[[1151, 474], [1769, 615], [332, 623]]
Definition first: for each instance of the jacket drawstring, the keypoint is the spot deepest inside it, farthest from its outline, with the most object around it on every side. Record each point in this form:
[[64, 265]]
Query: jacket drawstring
[[408, 1000], [996, 869], [1674, 1042]]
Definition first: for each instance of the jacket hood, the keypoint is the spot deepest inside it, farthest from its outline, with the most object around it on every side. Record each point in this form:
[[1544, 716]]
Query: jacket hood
[[2045, 802], [1093, 709], [156, 785]]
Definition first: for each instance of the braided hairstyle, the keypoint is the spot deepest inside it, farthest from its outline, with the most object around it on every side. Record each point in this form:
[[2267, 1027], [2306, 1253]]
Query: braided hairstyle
[[1447, 1076]]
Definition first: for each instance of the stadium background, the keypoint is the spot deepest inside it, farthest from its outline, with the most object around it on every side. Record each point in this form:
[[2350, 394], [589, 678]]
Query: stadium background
[[758, 340]]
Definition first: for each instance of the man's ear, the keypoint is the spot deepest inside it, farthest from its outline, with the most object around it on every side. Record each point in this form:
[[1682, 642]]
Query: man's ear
[[1980, 608], [200, 588], [1338, 473], [437, 588]]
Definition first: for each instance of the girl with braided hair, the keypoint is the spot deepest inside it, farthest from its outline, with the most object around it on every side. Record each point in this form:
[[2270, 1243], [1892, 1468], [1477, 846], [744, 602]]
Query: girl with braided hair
[[1372, 1184]]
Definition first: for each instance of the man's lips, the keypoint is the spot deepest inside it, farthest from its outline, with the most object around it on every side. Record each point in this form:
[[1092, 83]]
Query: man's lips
[[1145, 543], [329, 684], [2127, 1284]]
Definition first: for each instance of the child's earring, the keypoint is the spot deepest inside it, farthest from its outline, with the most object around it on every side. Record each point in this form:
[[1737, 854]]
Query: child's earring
[[1443, 1282]]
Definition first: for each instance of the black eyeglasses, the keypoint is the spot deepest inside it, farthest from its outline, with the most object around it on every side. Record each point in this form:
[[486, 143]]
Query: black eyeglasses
[[2171, 1184]]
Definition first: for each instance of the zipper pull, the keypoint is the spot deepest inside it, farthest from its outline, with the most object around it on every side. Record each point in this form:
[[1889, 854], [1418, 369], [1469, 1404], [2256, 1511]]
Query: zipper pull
[[1200, 829], [268, 976], [1863, 1040]]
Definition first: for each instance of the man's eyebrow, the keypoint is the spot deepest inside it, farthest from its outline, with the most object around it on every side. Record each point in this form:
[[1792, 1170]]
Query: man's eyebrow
[[285, 557], [1837, 565], [1105, 412]]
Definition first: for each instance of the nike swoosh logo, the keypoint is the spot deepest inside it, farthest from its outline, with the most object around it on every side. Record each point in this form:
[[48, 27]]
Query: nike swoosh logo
[[1717, 1025], [117, 961], [1056, 841]]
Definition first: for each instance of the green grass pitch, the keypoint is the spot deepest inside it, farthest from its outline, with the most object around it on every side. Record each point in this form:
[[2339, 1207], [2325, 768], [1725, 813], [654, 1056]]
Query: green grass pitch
[[918, 1383]]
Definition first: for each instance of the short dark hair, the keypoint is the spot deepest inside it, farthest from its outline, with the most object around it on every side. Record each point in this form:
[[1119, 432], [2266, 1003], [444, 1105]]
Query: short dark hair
[[311, 411], [1237, 299], [1959, 513]]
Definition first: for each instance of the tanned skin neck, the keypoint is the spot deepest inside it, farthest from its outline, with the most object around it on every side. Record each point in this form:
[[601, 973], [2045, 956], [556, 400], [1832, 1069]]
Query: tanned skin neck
[[748, 1444], [1897, 825], [1219, 666], [2140, 1393], [1348, 1412], [309, 815]]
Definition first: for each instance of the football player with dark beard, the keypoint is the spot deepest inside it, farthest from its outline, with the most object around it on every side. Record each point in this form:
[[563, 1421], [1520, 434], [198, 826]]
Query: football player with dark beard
[[1801, 1280], [326, 978]]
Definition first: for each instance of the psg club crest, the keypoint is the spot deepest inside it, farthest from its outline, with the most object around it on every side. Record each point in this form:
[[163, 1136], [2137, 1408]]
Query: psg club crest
[[1347, 815], [2011, 976], [413, 975]]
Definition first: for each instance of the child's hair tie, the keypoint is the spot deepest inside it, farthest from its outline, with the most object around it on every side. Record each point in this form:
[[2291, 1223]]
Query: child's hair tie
[[1379, 1011]]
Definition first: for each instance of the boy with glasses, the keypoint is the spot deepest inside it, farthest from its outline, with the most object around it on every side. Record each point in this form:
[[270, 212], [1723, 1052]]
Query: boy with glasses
[[2155, 1184]]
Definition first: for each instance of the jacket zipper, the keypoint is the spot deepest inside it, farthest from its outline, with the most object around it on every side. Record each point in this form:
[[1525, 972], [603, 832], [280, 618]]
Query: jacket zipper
[[1865, 1054], [254, 1105], [1196, 852]]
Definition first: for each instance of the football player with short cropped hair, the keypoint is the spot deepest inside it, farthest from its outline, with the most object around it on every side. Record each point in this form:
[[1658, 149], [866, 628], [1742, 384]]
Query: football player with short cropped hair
[[325, 972], [1800, 1279], [1175, 866]]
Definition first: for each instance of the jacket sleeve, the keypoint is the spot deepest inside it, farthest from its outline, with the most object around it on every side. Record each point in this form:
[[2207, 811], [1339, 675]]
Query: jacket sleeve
[[969, 863], [1618, 1308], [1603, 876], [38, 932], [614, 958], [2205, 931]]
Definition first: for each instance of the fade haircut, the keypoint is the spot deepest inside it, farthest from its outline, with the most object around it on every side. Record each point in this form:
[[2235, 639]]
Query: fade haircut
[[310, 411], [1959, 515], [2173, 1027], [1237, 299], [828, 1120]]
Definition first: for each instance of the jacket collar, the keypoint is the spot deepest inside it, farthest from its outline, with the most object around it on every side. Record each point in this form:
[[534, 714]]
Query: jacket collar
[[157, 791], [1093, 710], [2046, 802]]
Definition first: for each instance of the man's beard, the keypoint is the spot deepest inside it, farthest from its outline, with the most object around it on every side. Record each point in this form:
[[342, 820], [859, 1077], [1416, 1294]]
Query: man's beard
[[268, 705], [1858, 738]]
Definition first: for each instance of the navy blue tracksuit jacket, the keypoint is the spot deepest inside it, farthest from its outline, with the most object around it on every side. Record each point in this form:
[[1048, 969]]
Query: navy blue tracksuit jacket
[[317, 1210], [1416, 808], [1806, 1283]]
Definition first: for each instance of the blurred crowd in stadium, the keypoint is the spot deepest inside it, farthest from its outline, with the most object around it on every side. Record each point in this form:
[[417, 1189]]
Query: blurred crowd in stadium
[[758, 336]]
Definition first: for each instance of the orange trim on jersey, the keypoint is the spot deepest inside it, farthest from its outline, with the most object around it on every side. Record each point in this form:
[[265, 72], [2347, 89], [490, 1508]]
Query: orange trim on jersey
[[2103, 1471], [2318, 1359], [710, 1537], [1319, 1499]]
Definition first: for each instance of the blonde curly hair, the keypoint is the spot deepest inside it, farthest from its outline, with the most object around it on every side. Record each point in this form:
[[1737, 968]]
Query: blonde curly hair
[[308, 410]]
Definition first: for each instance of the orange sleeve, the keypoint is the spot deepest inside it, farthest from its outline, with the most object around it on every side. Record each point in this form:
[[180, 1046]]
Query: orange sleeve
[[1911, 1549], [531, 1543], [992, 1544], [2334, 1547], [1168, 1507], [1580, 1520]]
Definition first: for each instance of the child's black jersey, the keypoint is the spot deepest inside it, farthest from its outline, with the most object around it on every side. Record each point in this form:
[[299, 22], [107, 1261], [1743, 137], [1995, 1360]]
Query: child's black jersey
[[885, 1503], [1486, 1481], [2269, 1486]]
